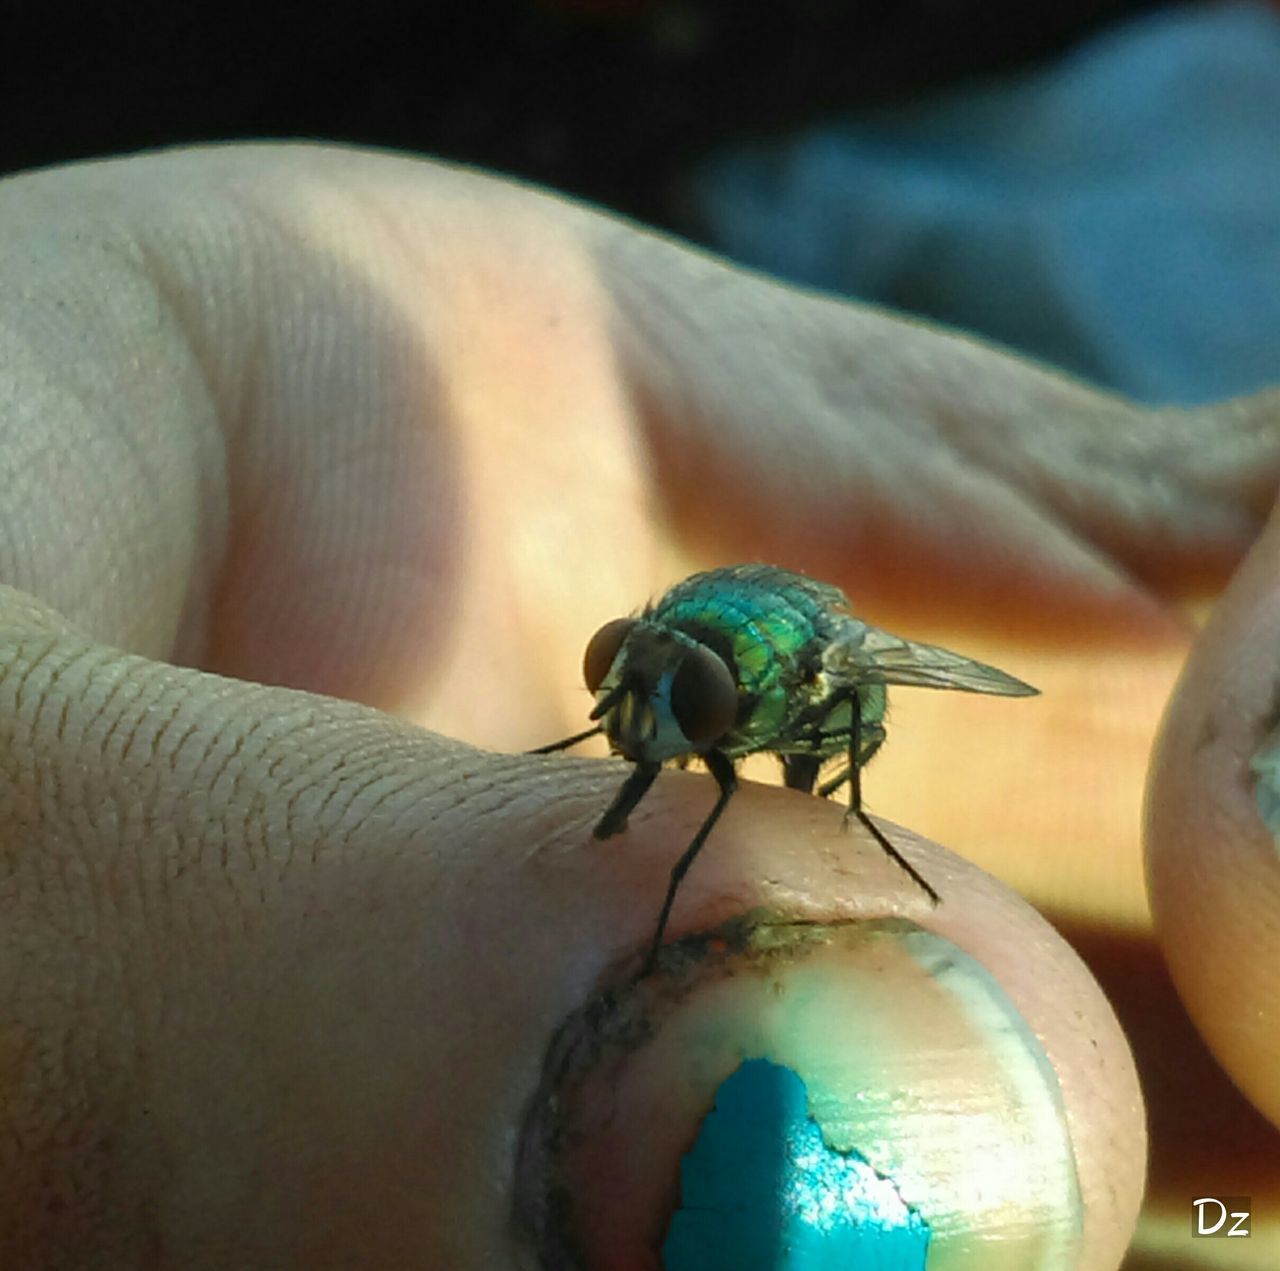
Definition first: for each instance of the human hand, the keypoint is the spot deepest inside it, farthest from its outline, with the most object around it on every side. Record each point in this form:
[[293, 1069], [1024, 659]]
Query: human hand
[[282, 970]]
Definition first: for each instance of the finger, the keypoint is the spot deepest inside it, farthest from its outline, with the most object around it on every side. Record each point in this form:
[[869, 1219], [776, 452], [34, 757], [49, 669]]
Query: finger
[[879, 452], [294, 970], [1212, 862], [887, 1025], [354, 380], [257, 410], [261, 991]]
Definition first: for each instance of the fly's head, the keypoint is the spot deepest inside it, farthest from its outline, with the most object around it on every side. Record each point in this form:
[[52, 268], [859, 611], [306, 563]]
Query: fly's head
[[660, 693]]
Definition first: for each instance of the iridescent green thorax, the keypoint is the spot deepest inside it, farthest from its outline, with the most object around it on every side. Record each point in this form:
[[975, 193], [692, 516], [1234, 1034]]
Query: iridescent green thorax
[[770, 627]]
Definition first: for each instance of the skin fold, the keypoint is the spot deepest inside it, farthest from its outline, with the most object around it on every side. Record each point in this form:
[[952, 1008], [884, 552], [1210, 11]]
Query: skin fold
[[309, 451]]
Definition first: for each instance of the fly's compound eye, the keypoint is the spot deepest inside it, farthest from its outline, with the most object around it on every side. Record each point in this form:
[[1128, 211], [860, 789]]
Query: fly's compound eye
[[602, 649], [704, 698]]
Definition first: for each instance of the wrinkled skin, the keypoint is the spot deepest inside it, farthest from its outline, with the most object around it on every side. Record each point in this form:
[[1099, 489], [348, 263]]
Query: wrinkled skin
[[277, 969]]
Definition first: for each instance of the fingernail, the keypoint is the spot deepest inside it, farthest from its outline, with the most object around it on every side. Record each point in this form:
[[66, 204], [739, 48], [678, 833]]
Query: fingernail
[[803, 1098]]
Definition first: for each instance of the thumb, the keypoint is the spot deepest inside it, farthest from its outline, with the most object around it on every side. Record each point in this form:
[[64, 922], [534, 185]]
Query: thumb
[[262, 1003], [289, 982]]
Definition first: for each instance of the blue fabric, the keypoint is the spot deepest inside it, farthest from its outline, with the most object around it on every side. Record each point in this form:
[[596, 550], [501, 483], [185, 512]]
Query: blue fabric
[[1117, 213]]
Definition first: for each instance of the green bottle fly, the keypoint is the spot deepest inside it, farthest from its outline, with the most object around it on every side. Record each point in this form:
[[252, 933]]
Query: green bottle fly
[[752, 658]]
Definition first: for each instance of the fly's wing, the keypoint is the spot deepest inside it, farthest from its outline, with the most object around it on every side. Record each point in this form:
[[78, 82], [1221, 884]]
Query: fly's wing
[[867, 655]]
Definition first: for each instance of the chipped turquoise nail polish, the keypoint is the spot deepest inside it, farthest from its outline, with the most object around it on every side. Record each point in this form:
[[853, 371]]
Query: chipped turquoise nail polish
[[1266, 768], [762, 1191]]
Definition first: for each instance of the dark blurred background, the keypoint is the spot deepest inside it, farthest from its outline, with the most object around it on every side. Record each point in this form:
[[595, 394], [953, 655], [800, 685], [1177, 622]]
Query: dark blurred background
[[608, 99], [1095, 182]]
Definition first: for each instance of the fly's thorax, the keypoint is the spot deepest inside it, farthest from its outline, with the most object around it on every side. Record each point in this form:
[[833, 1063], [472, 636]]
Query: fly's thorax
[[672, 695]]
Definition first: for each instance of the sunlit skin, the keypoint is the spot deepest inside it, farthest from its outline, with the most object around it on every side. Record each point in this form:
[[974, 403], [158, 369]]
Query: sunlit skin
[[402, 434]]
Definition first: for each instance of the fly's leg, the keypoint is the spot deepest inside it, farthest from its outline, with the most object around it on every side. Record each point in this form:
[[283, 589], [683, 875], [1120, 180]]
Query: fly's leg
[[872, 739], [828, 788], [634, 788], [855, 800], [799, 772], [722, 770], [566, 743]]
